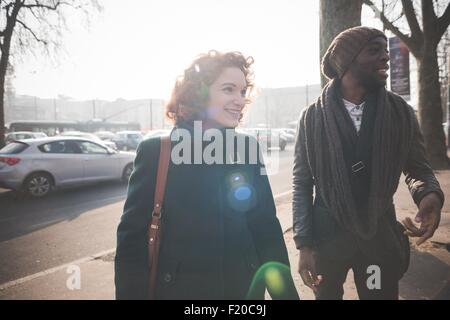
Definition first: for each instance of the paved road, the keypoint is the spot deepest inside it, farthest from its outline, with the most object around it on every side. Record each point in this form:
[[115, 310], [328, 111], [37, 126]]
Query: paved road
[[38, 234]]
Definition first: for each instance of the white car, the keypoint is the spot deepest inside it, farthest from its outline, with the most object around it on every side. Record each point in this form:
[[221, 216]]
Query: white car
[[37, 166], [20, 135]]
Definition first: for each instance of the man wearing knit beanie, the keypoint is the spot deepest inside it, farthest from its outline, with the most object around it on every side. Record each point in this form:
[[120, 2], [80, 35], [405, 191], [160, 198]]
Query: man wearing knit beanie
[[353, 144], [344, 49]]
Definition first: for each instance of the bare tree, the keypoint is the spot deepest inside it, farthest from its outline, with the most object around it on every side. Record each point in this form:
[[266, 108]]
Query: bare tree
[[425, 32], [336, 16], [10, 91], [443, 54], [27, 26]]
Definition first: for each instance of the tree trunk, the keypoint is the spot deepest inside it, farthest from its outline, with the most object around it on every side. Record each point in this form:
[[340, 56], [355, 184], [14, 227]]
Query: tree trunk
[[5, 50], [335, 17], [2, 113], [3, 69], [430, 110]]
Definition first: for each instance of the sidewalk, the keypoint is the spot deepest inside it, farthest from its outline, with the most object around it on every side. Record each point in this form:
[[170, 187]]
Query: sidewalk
[[427, 278]]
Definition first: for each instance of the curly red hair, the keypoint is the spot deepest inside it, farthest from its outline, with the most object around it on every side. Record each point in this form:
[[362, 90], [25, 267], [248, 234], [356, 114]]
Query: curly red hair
[[190, 96]]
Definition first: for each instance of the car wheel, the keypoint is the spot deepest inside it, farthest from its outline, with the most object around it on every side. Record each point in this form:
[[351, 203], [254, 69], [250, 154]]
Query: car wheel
[[38, 185], [283, 145], [127, 172]]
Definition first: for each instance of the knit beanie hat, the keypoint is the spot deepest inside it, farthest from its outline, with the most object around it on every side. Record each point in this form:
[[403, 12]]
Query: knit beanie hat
[[345, 48]]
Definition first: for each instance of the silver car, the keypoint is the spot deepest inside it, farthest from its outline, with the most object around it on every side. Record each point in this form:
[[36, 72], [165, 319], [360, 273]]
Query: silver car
[[20, 135], [36, 166]]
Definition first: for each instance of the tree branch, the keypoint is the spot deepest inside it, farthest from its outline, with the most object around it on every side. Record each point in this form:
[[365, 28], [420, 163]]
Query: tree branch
[[34, 13], [412, 43], [410, 13], [8, 5], [398, 18], [45, 6], [31, 31], [443, 22]]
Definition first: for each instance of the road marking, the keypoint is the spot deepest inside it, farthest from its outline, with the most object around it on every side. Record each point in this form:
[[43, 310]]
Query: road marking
[[14, 283]]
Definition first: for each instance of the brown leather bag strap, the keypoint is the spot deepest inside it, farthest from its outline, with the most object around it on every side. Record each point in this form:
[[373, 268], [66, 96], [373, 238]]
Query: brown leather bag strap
[[161, 178], [154, 232]]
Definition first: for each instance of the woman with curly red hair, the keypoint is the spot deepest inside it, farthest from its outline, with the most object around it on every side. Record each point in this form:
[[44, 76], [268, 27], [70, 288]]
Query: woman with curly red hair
[[219, 219]]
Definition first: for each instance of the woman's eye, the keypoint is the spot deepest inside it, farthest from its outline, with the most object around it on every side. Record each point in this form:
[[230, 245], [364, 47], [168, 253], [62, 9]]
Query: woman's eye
[[243, 93], [228, 89]]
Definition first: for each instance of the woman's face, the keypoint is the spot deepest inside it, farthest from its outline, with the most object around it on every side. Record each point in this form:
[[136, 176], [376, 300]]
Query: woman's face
[[226, 99]]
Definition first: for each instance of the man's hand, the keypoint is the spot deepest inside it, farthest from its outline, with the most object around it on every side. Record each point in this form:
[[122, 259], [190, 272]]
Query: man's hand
[[307, 269], [429, 216]]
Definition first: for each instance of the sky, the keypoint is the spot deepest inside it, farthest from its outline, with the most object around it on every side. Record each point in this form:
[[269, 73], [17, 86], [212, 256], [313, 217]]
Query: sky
[[136, 48]]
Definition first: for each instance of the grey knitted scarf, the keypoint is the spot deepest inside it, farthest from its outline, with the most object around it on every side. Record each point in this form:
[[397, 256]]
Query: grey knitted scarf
[[392, 136]]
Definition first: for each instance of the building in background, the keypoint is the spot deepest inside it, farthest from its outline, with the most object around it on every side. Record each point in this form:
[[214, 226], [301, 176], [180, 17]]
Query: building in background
[[271, 107]]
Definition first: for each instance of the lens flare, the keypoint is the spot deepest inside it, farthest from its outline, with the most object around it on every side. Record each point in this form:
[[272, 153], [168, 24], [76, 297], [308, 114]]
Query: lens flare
[[274, 281], [276, 278], [242, 193]]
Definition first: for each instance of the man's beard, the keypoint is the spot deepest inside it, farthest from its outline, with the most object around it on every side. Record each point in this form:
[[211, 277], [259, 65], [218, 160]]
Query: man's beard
[[370, 82]]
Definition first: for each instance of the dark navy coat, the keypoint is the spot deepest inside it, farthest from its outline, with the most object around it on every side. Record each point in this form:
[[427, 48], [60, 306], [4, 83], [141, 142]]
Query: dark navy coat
[[219, 227]]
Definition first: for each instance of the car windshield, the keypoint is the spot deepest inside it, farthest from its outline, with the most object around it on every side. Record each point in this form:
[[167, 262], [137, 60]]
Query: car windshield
[[13, 148]]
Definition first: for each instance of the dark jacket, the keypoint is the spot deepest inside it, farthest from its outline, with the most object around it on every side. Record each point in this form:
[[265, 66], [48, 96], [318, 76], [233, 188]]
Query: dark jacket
[[315, 226], [219, 227]]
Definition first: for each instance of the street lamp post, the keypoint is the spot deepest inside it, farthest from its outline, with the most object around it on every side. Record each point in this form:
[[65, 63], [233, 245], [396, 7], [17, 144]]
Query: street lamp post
[[151, 114], [267, 111], [35, 108], [55, 109]]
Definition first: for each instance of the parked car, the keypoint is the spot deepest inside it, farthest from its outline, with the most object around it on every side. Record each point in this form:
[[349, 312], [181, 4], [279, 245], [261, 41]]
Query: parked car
[[20, 135], [128, 140], [290, 131], [37, 166], [90, 136], [157, 133], [266, 137], [105, 135], [285, 134]]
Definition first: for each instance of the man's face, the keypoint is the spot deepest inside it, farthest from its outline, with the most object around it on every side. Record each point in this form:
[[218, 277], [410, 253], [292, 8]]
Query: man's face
[[370, 66]]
